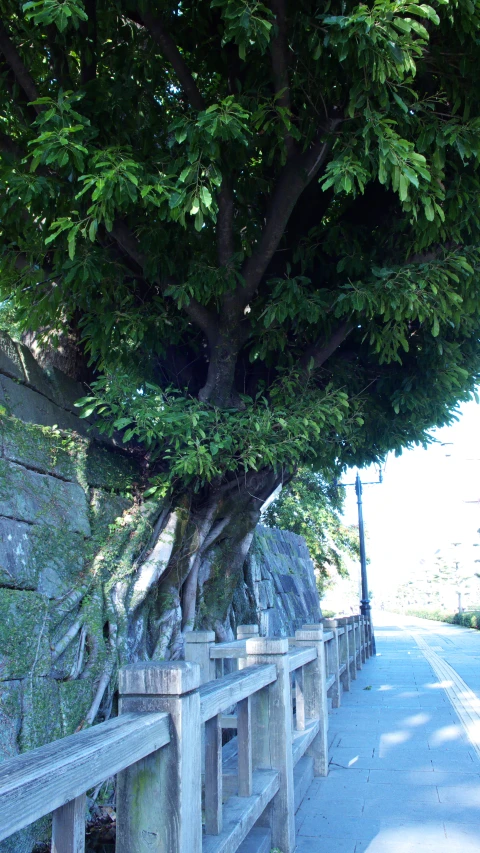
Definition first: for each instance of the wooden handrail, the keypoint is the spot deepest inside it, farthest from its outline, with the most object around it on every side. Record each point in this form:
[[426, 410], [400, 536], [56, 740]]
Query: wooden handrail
[[234, 649], [300, 657], [42, 780], [217, 696], [155, 745]]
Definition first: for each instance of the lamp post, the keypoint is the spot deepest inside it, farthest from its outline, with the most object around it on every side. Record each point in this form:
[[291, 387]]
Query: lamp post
[[365, 600]]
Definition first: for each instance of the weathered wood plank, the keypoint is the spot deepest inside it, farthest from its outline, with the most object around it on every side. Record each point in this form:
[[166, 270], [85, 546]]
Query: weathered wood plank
[[332, 656], [327, 636], [244, 735], [213, 776], [241, 813], [299, 700], [315, 698], [299, 657], [302, 740], [159, 798], [219, 695], [68, 827], [197, 650], [272, 735], [229, 721], [42, 780], [245, 631], [344, 641], [330, 682], [234, 649]]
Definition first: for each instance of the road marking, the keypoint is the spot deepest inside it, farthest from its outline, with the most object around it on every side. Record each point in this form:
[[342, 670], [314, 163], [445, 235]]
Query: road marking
[[465, 702]]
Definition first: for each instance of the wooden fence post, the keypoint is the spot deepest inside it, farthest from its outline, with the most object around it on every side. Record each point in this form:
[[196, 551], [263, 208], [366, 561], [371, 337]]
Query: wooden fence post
[[315, 696], [371, 637], [68, 827], [332, 661], [363, 634], [197, 650], [272, 736], [246, 631], [344, 653], [159, 798], [358, 641], [352, 646]]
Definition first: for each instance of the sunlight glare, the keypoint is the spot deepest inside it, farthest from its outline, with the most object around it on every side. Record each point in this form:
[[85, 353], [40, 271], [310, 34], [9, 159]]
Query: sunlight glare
[[417, 720], [445, 734]]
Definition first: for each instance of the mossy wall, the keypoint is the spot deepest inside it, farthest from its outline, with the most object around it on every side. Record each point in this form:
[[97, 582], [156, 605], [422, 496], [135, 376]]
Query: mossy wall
[[69, 530], [60, 489]]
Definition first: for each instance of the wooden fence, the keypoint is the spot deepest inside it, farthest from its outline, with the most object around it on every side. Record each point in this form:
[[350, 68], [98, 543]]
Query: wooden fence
[[166, 746]]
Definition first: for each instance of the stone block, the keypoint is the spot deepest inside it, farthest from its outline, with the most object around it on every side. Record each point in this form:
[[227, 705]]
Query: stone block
[[34, 375], [108, 469], [41, 718], [34, 408], [270, 593], [46, 450], [42, 499], [261, 595], [67, 391], [24, 646], [75, 700], [17, 568], [104, 509], [10, 718], [288, 583], [10, 363], [39, 557]]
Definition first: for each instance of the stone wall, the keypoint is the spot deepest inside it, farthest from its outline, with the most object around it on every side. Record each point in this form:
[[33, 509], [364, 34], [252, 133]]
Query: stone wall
[[65, 494], [279, 571]]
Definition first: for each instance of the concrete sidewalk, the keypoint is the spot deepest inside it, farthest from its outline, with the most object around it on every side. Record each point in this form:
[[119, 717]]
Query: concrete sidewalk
[[404, 777]]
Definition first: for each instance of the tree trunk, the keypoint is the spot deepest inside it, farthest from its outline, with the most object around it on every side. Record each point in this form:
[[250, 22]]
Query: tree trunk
[[182, 566]]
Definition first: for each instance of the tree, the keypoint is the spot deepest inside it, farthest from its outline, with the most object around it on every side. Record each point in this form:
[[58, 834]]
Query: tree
[[311, 507], [259, 223]]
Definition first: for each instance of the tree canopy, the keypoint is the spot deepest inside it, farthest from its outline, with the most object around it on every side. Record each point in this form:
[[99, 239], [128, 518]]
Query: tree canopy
[[259, 220]]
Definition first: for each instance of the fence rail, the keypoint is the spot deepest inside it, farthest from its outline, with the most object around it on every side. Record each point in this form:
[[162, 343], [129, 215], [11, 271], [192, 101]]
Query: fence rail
[[166, 745]]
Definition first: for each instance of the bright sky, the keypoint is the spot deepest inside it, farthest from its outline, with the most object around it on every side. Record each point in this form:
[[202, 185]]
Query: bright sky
[[421, 505]]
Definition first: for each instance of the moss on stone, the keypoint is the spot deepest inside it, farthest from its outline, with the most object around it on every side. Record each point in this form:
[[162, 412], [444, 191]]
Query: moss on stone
[[40, 498], [107, 469], [10, 717], [41, 720], [24, 647], [75, 700], [46, 449]]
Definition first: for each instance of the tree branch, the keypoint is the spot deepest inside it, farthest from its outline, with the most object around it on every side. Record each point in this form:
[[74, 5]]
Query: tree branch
[[225, 242], [88, 29], [295, 177], [22, 76], [172, 53], [201, 316], [10, 147], [321, 350], [279, 52]]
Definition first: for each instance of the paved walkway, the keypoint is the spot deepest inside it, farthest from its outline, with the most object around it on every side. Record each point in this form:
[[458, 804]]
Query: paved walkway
[[404, 773]]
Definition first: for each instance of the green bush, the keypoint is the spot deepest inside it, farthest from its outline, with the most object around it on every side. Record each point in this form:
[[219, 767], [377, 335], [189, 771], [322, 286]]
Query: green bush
[[468, 620], [435, 615]]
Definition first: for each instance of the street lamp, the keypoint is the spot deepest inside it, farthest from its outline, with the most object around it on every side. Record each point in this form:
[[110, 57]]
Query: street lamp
[[365, 600]]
